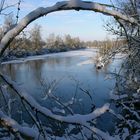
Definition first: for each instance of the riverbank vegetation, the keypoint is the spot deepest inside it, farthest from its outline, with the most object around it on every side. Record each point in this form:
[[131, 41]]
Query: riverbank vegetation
[[30, 43], [127, 89]]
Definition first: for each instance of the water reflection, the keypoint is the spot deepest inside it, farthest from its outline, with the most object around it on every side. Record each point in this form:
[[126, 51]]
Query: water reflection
[[64, 68]]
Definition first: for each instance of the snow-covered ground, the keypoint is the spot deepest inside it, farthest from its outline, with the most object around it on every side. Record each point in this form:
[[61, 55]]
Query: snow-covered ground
[[83, 53]]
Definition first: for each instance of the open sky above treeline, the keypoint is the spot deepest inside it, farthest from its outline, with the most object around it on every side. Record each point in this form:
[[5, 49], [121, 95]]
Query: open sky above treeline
[[86, 25]]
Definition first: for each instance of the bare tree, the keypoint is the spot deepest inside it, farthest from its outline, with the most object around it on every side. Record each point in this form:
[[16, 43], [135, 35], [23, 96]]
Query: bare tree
[[35, 35]]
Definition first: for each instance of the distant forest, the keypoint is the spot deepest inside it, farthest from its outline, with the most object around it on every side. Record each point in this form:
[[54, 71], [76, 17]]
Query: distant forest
[[31, 43]]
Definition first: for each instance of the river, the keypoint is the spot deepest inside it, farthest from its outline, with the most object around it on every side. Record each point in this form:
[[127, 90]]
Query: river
[[68, 75]]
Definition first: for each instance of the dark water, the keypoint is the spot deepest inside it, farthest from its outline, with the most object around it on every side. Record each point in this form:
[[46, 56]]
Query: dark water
[[73, 72]]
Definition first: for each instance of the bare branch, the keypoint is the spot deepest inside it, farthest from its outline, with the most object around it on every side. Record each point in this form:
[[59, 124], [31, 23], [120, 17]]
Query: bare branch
[[71, 119], [14, 127]]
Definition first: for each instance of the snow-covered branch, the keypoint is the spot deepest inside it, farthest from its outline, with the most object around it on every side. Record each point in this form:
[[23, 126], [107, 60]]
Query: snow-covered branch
[[74, 119], [70, 119], [64, 5], [124, 96], [14, 127]]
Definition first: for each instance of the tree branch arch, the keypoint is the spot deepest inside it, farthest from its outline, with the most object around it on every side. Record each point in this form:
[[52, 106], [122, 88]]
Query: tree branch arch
[[64, 5]]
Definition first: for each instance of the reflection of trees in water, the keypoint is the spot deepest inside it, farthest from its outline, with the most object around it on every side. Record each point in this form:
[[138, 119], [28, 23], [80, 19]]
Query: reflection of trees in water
[[10, 69], [29, 72], [55, 61], [35, 69]]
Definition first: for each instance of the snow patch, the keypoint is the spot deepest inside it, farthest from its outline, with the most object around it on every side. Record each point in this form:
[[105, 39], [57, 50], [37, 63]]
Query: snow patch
[[87, 62], [83, 53]]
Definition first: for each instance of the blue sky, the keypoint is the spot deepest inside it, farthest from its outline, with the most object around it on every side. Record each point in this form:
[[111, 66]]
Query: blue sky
[[87, 25]]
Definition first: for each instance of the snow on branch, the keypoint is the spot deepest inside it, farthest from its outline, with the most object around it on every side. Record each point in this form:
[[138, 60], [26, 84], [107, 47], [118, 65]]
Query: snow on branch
[[124, 96], [63, 5], [70, 119], [14, 127]]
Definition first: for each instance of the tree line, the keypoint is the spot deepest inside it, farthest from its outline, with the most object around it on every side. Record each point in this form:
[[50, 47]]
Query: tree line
[[30, 43]]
